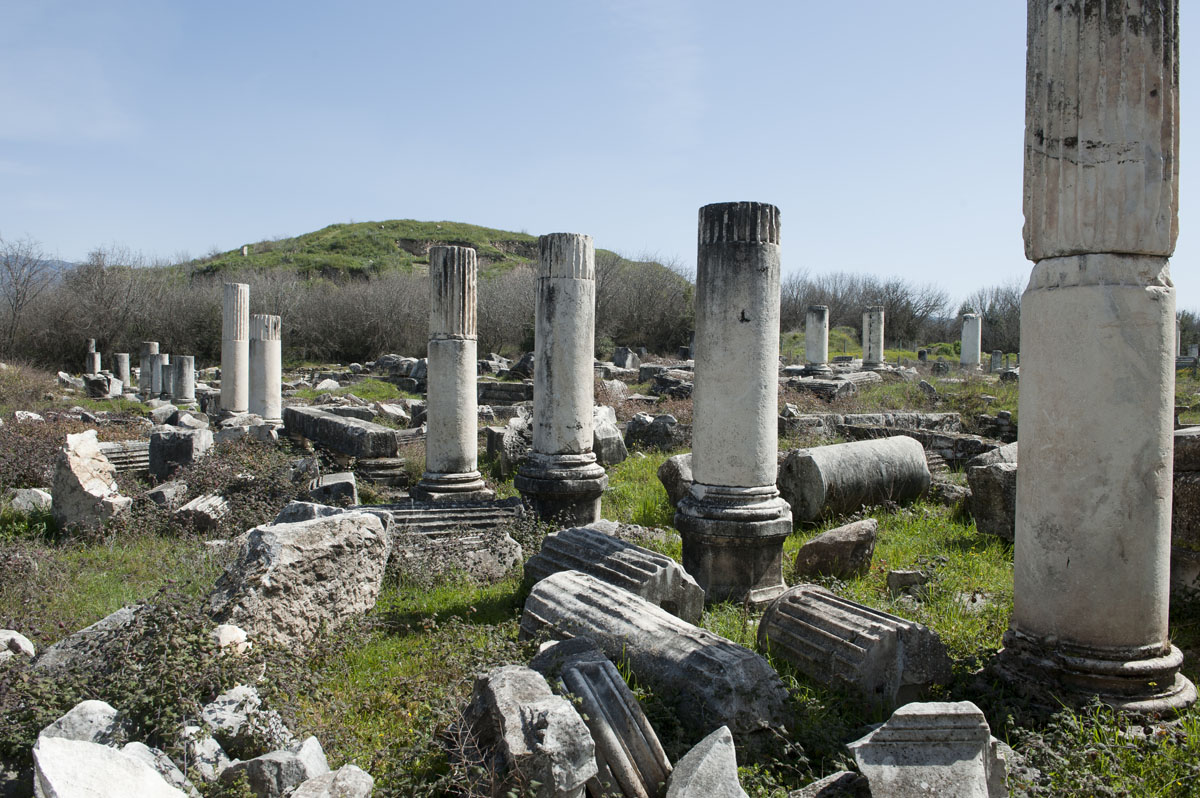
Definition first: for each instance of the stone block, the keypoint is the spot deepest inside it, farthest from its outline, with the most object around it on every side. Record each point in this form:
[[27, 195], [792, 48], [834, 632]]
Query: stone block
[[993, 501], [334, 489], [526, 734], [15, 644], [168, 494], [1003, 454], [65, 768], [77, 649], [934, 748], [836, 642], [289, 579], [485, 556], [162, 764], [349, 436], [279, 773], [709, 770], [714, 679], [174, 447], [238, 723], [652, 576], [845, 477], [29, 500], [348, 781], [85, 492], [664, 432], [844, 552], [90, 721], [626, 358], [607, 443], [675, 474], [1185, 510]]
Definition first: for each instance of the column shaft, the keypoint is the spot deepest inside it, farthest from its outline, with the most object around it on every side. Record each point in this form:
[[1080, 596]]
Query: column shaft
[[816, 339], [235, 348], [265, 391]]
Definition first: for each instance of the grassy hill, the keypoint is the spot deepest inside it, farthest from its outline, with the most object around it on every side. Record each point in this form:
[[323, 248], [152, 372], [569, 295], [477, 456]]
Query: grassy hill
[[365, 248]]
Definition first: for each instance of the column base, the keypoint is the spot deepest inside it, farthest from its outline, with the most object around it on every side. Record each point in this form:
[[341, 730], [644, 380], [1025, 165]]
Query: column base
[[564, 489], [733, 541], [817, 370], [449, 488], [871, 366], [1144, 680]]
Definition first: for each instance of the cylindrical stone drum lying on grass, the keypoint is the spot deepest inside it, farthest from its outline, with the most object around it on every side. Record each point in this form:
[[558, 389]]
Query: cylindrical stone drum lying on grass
[[843, 477]]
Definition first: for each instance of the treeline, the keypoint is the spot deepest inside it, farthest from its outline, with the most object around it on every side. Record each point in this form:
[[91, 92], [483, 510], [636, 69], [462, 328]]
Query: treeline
[[119, 299]]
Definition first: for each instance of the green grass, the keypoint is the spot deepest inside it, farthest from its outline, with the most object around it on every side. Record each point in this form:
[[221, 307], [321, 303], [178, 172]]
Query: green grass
[[635, 495], [369, 390]]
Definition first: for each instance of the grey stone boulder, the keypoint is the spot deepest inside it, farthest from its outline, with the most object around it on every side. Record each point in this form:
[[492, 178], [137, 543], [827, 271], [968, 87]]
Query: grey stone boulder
[[162, 413], [327, 385], [709, 770], [843, 784], [65, 768], [676, 476], [85, 490], [348, 781], [86, 645], [993, 501], [174, 447], [169, 494], [607, 443], [279, 773], [526, 734], [15, 644], [289, 579], [162, 763], [237, 722], [1004, 454], [203, 756], [844, 552], [657, 432], [295, 511], [90, 721], [29, 500]]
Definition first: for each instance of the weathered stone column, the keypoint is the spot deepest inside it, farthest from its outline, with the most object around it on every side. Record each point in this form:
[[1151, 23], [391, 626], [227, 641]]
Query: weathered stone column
[[561, 479], [160, 366], [452, 413], [266, 368], [183, 385], [997, 360], [121, 367], [148, 354], [816, 340], [235, 349], [1093, 518], [972, 338], [872, 338], [733, 522], [91, 361]]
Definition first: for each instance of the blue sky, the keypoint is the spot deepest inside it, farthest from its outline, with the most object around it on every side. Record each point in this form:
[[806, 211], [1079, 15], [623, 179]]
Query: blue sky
[[888, 133]]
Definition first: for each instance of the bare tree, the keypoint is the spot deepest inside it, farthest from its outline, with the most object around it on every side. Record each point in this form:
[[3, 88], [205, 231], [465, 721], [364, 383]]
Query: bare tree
[[999, 306], [24, 273]]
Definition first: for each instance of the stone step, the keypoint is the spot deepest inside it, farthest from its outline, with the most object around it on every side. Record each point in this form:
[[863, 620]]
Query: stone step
[[127, 456]]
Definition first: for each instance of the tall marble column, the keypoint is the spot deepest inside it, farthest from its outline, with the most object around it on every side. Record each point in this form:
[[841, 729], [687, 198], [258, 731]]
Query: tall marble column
[[561, 479], [733, 521], [266, 368], [160, 366], [121, 367], [235, 348], [91, 361], [972, 337], [183, 386], [816, 340], [1093, 517], [147, 356], [872, 338], [452, 413]]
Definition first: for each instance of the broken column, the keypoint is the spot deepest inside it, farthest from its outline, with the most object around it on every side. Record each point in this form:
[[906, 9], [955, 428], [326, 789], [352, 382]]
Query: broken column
[[159, 365], [266, 368], [1093, 519], [972, 334], [451, 415], [91, 361], [733, 522], [121, 367], [183, 385], [148, 353], [816, 340], [561, 479], [235, 348], [997, 360], [872, 338]]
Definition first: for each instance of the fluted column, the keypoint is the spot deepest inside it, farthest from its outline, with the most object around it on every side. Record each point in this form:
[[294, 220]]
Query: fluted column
[[1093, 518], [561, 478], [235, 348], [145, 380], [816, 340], [872, 338], [733, 522], [160, 366], [183, 384], [452, 414], [972, 337], [266, 368], [91, 360]]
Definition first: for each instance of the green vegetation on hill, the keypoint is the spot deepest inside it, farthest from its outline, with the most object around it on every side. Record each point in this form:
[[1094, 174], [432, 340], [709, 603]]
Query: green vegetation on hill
[[363, 248]]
